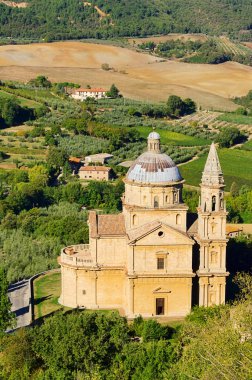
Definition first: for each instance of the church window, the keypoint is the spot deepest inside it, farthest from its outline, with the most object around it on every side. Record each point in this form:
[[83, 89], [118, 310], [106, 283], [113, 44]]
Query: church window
[[175, 196], [160, 263], [160, 306], [156, 202], [161, 233], [213, 202], [178, 219], [134, 219], [167, 199]]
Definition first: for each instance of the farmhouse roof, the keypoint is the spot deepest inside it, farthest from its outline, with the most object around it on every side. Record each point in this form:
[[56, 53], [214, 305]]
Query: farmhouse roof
[[99, 155], [95, 169], [74, 159], [90, 90]]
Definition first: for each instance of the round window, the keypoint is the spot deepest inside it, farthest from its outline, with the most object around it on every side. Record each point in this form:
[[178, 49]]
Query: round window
[[160, 233]]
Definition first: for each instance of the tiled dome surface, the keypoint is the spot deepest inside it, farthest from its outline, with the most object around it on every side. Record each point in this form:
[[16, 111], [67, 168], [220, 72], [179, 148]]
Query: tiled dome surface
[[153, 168]]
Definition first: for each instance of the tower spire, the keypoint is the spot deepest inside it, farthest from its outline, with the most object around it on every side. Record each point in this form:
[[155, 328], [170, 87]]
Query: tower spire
[[212, 174]]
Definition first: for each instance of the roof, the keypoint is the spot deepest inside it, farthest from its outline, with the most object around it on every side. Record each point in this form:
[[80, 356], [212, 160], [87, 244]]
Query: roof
[[138, 232], [100, 155], [106, 225], [233, 228], [154, 135], [74, 159], [95, 169], [152, 168], [90, 90], [147, 228]]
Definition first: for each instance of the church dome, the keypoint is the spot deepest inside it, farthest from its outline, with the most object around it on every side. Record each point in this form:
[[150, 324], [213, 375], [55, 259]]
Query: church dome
[[153, 166]]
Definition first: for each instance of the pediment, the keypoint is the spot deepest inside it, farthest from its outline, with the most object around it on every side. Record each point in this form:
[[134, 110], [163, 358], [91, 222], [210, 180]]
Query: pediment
[[158, 233]]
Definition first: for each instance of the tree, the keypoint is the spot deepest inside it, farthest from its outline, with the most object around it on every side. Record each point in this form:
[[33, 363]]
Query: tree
[[189, 106], [175, 106], [7, 318], [229, 136], [57, 157], [11, 111], [38, 175], [113, 92], [234, 189], [41, 81]]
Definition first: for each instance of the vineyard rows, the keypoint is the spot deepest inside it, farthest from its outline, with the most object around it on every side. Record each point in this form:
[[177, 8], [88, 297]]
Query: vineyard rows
[[228, 46], [210, 119]]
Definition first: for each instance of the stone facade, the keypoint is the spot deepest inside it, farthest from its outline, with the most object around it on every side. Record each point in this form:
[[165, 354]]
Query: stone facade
[[98, 173], [85, 93], [141, 261]]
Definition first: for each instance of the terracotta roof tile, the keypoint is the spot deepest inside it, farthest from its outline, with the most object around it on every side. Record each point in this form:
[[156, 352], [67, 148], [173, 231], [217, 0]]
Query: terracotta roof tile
[[74, 159], [90, 90], [95, 169], [106, 225], [111, 225]]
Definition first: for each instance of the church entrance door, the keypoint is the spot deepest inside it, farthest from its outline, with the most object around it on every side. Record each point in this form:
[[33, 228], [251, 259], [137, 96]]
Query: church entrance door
[[160, 306]]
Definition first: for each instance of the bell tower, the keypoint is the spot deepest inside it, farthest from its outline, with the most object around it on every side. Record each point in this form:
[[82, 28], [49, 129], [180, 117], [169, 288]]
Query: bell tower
[[212, 233]]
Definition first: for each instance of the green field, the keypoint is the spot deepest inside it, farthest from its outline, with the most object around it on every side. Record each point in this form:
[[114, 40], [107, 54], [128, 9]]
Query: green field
[[46, 294], [173, 138], [236, 165], [235, 118], [23, 101], [247, 145]]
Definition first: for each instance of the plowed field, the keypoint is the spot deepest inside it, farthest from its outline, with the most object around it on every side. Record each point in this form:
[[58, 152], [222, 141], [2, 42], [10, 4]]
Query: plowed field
[[137, 75]]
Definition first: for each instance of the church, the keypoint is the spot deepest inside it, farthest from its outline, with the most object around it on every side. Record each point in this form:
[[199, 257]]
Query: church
[[151, 259]]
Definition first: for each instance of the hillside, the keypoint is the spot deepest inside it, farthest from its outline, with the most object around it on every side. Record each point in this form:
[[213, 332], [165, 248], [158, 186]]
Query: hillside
[[66, 19]]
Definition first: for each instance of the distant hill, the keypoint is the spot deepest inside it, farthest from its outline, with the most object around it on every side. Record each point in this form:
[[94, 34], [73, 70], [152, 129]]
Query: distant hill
[[68, 19]]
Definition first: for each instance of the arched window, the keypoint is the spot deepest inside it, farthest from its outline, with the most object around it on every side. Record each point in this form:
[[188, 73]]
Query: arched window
[[134, 219], [178, 219], [156, 202], [175, 197], [144, 199], [213, 203], [166, 199]]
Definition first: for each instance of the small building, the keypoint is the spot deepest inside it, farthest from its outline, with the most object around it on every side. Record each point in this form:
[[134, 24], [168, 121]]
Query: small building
[[98, 173], [84, 93], [235, 230], [75, 164], [101, 158]]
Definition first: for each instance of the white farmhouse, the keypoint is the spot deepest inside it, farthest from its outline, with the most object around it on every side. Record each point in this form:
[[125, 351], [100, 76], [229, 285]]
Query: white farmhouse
[[84, 93]]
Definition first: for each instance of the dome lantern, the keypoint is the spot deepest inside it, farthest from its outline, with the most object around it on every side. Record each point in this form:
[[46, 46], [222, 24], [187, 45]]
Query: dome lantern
[[154, 142]]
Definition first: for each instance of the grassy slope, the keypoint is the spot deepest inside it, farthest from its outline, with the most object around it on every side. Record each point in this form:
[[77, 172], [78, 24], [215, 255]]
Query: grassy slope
[[247, 145], [236, 165], [23, 101], [234, 118], [46, 294], [173, 138]]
